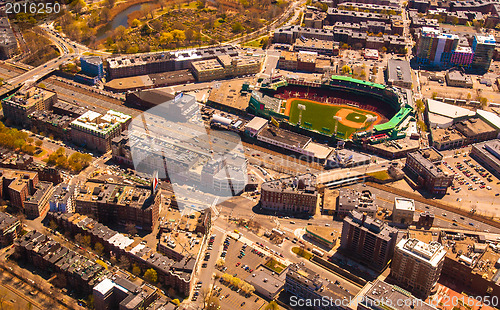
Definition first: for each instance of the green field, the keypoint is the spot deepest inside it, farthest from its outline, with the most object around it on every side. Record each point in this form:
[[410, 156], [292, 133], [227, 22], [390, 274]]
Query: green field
[[319, 117]]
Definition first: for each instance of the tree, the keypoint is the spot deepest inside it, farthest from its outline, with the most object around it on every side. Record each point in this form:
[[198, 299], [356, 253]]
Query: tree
[[272, 306], [483, 101], [124, 262], [38, 143], [213, 303], [136, 270], [99, 248], [53, 225], [434, 95], [346, 69], [151, 275], [237, 27], [220, 262], [420, 105], [176, 301]]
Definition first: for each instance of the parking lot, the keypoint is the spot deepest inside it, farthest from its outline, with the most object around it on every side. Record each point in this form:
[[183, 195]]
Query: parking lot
[[240, 261], [474, 187]]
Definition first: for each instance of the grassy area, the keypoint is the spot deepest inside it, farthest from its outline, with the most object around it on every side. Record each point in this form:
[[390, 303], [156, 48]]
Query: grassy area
[[319, 117], [191, 5], [380, 175], [301, 252], [275, 266], [254, 43]]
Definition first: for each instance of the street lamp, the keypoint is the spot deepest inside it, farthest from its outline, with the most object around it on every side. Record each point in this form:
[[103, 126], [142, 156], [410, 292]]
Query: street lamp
[[302, 108]]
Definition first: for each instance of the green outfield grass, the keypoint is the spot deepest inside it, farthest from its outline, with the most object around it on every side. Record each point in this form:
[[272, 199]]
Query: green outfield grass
[[319, 117]]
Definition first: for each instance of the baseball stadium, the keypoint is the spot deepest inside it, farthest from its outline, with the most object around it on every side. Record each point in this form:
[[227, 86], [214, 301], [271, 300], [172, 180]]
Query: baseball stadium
[[340, 107]]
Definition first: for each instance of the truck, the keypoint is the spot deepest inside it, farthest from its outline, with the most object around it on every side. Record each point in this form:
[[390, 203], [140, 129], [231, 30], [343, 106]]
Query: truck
[[318, 252]]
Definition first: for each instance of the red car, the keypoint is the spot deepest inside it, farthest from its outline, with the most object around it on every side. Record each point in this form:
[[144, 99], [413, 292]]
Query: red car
[[237, 264]]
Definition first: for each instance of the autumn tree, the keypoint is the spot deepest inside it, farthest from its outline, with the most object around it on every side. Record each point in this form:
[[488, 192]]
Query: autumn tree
[[151, 275]]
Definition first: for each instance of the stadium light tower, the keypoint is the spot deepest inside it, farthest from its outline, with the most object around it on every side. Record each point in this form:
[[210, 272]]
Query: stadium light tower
[[337, 120], [302, 108], [370, 120]]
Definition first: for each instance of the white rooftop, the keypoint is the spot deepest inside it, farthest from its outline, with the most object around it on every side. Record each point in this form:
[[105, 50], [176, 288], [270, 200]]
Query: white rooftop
[[319, 151], [448, 110], [432, 252], [95, 122], [256, 123], [120, 241], [404, 204], [490, 118], [105, 286]]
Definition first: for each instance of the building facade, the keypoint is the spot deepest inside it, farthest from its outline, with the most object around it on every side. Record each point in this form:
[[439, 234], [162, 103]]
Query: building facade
[[367, 239], [417, 265], [296, 195]]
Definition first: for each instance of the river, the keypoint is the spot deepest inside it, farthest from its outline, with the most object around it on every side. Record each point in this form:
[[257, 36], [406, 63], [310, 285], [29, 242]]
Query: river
[[121, 19]]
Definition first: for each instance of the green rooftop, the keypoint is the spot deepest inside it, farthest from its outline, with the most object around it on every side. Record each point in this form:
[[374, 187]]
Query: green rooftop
[[350, 79], [395, 120]]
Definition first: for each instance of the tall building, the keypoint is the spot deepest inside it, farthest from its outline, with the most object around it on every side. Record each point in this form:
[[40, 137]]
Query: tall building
[[483, 47], [370, 240], [92, 66], [435, 48], [96, 131], [417, 265]]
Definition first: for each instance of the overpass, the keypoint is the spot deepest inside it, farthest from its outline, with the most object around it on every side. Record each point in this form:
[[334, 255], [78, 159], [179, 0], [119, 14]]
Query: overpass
[[33, 75]]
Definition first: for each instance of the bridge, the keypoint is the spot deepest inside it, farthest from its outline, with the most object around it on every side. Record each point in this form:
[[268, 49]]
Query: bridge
[[32, 76]]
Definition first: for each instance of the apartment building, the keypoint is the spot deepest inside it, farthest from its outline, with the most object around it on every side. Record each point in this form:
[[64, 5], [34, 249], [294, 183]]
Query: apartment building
[[417, 265], [368, 240]]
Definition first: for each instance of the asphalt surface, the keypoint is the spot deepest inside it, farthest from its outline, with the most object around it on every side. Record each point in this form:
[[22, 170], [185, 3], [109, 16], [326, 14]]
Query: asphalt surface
[[443, 218]]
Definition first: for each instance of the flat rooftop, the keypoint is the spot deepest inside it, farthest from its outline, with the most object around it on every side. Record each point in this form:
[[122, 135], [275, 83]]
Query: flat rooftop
[[228, 93], [404, 204], [432, 252], [285, 137]]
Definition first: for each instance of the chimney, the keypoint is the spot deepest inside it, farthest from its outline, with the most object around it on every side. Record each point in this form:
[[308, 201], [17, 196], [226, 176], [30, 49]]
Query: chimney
[[363, 219]]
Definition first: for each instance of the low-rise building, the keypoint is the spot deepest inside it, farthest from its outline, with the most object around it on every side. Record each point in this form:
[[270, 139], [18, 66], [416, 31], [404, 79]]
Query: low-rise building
[[266, 282], [120, 293], [322, 47], [224, 66], [350, 199], [9, 227], [382, 295], [488, 155], [63, 198], [428, 175], [403, 210], [446, 138], [458, 79], [298, 61], [8, 41], [344, 158], [17, 185], [476, 130], [119, 203], [17, 107], [79, 272], [472, 263], [326, 236], [295, 195], [37, 205], [399, 73]]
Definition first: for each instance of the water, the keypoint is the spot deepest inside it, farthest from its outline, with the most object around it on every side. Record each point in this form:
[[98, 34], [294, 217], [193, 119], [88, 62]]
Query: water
[[120, 20]]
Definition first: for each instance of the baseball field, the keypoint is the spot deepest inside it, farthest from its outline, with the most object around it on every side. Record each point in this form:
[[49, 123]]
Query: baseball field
[[319, 117]]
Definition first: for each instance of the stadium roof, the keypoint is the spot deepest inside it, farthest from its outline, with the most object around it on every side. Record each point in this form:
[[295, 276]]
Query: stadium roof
[[350, 79], [448, 110], [395, 120]]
